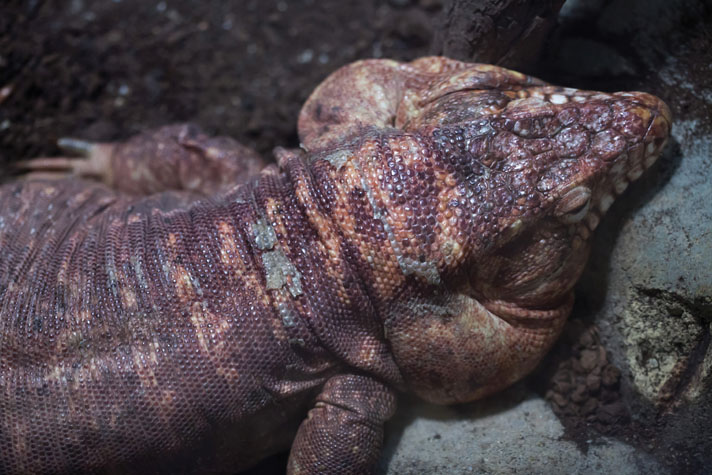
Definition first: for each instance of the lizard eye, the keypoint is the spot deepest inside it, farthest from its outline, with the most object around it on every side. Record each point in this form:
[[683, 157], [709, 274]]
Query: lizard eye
[[573, 206]]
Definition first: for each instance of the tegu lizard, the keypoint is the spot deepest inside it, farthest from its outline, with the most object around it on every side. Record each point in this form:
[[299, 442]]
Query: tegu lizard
[[186, 312]]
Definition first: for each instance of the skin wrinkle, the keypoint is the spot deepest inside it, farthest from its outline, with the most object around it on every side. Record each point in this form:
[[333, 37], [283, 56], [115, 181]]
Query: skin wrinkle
[[426, 237]]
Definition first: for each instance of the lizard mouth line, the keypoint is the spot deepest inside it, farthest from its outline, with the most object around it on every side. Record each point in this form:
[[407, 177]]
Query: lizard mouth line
[[530, 317], [636, 166]]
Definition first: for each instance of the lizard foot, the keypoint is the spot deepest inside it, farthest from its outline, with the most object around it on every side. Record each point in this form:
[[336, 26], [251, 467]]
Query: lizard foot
[[83, 159]]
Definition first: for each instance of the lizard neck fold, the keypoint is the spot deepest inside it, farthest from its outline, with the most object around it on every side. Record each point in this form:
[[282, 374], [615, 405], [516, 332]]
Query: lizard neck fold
[[338, 284]]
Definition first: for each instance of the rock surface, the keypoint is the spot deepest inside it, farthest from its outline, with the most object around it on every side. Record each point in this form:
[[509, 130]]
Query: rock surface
[[516, 432]]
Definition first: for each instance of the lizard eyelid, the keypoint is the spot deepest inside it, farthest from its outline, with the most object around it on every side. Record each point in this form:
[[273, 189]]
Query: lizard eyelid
[[574, 205]]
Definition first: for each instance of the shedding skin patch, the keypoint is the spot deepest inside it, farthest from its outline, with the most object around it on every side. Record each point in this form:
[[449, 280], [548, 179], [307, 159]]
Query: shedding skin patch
[[426, 270], [286, 317], [280, 272], [230, 257], [264, 235], [339, 158], [286, 314]]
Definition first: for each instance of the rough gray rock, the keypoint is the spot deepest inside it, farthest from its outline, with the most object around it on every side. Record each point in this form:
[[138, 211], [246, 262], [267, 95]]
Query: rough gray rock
[[515, 432]]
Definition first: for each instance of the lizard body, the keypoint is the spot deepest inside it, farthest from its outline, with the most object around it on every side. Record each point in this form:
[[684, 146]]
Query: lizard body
[[185, 314]]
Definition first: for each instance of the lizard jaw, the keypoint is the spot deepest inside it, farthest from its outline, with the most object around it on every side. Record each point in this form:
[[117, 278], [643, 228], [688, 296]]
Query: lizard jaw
[[633, 164], [540, 318]]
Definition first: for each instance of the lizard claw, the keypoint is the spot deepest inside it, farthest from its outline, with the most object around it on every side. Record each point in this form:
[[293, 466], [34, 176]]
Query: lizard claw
[[74, 146], [92, 161]]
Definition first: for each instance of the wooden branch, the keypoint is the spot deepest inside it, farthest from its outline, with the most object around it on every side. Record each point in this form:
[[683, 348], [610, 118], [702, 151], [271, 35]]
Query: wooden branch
[[509, 33]]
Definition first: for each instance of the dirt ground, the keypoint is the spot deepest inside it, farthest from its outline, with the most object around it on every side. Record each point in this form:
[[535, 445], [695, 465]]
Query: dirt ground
[[106, 69]]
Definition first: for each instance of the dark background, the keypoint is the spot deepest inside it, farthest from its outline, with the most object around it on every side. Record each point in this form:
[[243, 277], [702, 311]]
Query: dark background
[[106, 69]]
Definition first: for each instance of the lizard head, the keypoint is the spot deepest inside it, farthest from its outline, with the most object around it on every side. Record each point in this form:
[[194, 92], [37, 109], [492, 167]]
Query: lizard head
[[537, 167], [491, 186]]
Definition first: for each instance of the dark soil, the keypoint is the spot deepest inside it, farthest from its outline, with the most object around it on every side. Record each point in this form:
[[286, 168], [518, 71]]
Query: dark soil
[[583, 386], [106, 69]]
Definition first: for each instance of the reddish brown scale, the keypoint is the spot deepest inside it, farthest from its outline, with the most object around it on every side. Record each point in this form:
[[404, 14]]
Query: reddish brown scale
[[427, 239]]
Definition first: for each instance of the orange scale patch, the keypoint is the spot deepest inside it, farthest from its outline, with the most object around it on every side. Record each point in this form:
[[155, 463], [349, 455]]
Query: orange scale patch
[[210, 329], [183, 283]]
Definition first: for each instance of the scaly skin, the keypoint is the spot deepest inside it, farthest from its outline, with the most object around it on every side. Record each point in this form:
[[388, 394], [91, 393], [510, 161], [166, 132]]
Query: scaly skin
[[426, 239]]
